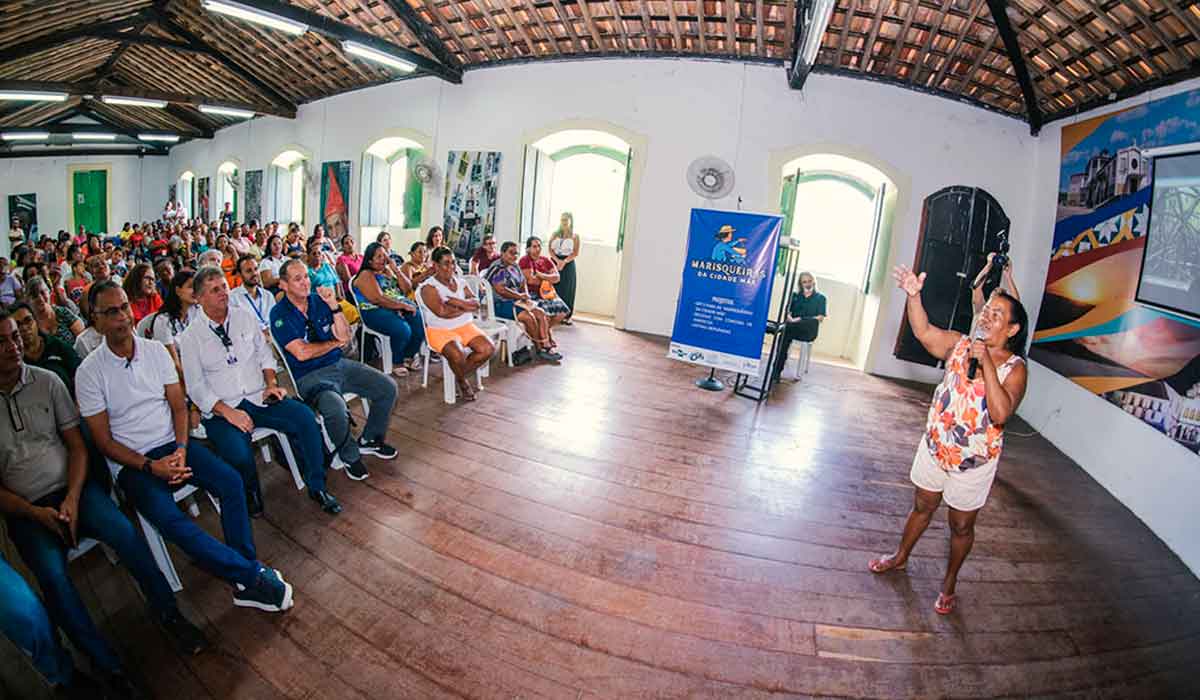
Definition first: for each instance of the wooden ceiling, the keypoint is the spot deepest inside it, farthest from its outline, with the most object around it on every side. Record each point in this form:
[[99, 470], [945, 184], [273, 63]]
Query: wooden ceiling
[[1070, 54]]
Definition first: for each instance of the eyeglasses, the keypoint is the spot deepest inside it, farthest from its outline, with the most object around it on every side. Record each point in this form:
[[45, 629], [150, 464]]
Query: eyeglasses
[[114, 311]]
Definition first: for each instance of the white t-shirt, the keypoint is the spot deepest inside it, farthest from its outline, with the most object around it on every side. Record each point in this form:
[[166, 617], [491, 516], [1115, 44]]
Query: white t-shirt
[[272, 265], [165, 329], [432, 320], [134, 393]]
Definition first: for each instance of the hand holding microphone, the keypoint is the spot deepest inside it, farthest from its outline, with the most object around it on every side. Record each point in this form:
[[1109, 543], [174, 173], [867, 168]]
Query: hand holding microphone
[[976, 351]]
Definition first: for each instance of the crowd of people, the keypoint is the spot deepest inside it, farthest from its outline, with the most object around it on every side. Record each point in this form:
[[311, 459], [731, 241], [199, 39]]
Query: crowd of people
[[149, 359]]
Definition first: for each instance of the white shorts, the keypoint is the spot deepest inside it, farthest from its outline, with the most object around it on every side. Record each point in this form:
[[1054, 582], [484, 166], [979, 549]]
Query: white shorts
[[961, 490]]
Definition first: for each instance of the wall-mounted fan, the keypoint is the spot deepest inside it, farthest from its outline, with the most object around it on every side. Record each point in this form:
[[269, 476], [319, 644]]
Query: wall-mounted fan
[[426, 173], [233, 181], [710, 177], [310, 179]]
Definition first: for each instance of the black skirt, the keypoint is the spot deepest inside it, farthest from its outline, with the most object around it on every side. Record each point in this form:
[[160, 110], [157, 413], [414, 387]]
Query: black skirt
[[565, 287]]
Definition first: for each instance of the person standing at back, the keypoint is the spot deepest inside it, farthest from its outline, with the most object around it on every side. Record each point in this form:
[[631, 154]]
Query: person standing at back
[[564, 246]]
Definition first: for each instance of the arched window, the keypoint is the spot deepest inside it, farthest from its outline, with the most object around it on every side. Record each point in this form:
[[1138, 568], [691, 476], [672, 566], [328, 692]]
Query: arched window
[[390, 195], [581, 171], [185, 193], [227, 188], [288, 173]]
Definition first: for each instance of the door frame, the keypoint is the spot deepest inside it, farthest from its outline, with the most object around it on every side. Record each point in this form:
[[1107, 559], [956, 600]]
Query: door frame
[[639, 144], [108, 185]]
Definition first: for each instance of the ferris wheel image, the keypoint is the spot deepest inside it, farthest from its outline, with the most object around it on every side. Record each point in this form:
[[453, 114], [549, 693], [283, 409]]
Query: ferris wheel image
[[1173, 254]]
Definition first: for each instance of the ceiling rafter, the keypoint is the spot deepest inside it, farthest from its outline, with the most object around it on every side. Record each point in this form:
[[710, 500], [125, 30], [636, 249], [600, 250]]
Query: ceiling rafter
[[1033, 111]]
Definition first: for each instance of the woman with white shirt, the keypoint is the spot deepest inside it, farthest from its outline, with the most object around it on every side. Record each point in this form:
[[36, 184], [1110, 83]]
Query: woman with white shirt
[[268, 267], [564, 247]]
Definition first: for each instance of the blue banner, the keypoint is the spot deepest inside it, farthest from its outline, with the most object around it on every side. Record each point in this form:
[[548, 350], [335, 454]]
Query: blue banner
[[726, 292]]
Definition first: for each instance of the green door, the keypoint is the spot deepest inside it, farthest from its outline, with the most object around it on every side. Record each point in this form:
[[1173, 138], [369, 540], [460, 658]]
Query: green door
[[90, 200]]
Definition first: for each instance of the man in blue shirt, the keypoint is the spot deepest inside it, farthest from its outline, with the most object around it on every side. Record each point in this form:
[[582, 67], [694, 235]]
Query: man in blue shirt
[[311, 331]]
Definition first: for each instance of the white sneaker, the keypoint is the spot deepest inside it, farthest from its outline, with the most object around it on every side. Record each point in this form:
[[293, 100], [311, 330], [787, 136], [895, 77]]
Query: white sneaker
[[199, 432]]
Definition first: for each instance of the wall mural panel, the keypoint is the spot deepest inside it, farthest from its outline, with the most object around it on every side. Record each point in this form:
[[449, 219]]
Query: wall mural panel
[[472, 183], [202, 196], [1090, 329], [254, 191], [335, 187]]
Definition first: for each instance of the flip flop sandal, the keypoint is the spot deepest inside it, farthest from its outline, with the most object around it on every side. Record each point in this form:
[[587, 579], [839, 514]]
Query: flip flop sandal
[[882, 565], [945, 604]]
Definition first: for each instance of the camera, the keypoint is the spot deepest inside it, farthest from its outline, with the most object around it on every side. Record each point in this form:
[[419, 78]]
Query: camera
[[999, 261]]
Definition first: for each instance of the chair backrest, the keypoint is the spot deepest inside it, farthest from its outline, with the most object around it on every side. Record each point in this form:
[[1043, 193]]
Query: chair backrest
[[483, 292], [143, 328], [287, 369], [424, 310]]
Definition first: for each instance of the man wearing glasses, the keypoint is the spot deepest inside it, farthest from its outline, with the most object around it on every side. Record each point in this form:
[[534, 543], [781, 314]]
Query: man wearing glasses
[[229, 370], [49, 504], [311, 331], [130, 395]]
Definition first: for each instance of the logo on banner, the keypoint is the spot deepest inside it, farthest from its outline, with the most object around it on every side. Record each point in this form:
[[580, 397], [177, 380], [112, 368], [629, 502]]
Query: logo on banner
[[728, 261]]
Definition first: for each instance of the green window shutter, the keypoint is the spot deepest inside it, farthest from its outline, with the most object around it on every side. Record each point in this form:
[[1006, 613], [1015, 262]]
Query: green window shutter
[[787, 207], [625, 202], [413, 192]]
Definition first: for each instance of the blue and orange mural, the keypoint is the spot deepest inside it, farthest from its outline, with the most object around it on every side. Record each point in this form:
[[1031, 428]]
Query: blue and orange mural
[[1090, 329]]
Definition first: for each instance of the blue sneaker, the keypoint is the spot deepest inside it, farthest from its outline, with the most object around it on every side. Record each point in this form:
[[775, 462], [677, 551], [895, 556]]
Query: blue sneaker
[[269, 592]]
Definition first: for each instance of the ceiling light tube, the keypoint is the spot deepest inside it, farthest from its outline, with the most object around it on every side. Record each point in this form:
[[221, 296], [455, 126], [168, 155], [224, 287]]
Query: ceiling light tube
[[164, 138], [25, 135], [227, 111], [377, 56], [820, 13], [249, 14], [133, 101], [93, 136], [33, 96]]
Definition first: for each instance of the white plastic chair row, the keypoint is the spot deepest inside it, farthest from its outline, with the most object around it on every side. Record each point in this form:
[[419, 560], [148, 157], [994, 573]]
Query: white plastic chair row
[[512, 333], [385, 343], [449, 395], [797, 367]]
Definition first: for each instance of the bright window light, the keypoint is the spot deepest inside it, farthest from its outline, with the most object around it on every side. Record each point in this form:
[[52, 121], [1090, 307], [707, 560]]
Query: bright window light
[[93, 136], [25, 135], [133, 101], [33, 96], [377, 56], [164, 138], [227, 111], [249, 14]]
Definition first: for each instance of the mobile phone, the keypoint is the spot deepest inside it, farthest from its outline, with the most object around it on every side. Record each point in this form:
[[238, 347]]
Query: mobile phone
[[272, 398]]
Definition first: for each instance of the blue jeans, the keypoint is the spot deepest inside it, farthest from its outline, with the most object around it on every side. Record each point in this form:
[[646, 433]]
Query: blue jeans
[[46, 555], [290, 417], [25, 622], [405, 331], [234, 561], [323, 388]]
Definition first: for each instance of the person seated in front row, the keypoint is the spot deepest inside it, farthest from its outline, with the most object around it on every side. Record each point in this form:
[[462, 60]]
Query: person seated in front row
[[251, 296], [55, 320], [385, 309], [49, 504], [130, 396], [541, 274], [449, 328], [42, 350], [512, 301], [806, 313], [230, 372], [311, 329]]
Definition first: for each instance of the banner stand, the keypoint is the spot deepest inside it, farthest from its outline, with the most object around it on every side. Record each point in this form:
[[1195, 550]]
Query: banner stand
[[744, 385], [711, 383]]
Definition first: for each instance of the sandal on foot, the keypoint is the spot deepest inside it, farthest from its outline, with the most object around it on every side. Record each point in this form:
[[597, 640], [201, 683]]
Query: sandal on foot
[[882, 565], [945, 604]]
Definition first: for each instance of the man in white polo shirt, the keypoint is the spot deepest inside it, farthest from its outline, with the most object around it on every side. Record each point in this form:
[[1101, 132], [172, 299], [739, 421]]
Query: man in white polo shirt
[[230, 373], [129, 393]]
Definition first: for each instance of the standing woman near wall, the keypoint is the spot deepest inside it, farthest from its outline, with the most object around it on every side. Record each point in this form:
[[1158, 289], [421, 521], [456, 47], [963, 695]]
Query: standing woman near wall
[[564, 246]]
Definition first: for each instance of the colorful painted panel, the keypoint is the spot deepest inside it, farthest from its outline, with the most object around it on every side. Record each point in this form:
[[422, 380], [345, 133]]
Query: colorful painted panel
[[254, 198], [335, 187], [472, 183]]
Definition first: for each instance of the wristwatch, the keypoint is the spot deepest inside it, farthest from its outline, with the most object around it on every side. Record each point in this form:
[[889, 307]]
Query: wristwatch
[[337, 309]]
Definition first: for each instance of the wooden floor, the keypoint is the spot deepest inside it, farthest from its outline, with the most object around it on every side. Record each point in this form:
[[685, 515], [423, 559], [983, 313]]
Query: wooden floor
[[604, 529]]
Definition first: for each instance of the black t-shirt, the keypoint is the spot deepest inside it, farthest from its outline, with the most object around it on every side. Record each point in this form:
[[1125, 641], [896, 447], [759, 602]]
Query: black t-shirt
[[807, 307], [60, 358]]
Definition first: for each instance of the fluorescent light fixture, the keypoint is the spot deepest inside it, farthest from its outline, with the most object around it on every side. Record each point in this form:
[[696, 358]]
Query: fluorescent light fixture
[[25, 135], [249, 14], [227, 111], [819, 14], [164, 138], [377, 56], [33, 96], [133, 101], [93, 136]]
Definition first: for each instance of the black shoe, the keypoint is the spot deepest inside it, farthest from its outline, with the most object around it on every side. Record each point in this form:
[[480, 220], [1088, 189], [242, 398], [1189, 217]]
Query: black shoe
[[188, 638], [119, 685], [549, 355], [328, 503], [376, 447], [356, 470], [269, 592], [254, 503]]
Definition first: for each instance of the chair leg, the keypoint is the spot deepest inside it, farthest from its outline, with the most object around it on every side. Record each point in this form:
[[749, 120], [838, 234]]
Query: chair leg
[[265, 450], [158, 549], [290, 458], [448, 388], [425, 367]]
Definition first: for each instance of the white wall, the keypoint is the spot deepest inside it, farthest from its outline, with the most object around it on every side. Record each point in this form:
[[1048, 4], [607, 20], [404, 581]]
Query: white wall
[[685, 109], [137, 187], [1155, 477]]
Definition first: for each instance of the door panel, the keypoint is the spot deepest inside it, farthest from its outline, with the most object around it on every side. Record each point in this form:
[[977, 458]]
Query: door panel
[[90, 199]]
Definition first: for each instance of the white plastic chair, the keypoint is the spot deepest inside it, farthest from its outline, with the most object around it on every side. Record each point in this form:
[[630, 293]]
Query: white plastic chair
[[260, 436], [797, 366], [385, 343], [448, 389], [511, 332]]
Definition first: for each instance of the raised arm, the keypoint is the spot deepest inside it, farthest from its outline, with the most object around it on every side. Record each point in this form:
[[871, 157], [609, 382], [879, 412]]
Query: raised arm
[[937, 341]]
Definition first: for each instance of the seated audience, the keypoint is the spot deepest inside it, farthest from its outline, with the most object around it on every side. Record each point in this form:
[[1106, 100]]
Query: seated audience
[[42, 350], [540, 275], [251, 296], [58, 293], [268, 267], [449, 326], [484, 256], [512, 301], [435, 238], [49, 504], [349, 262], [164, 270], [230, 372], [293, 246], [57, 321], [142, 290], [129, 393], [311, 330], [79, 280], [10, 285], [418, 268], [322, 240], [805, 313], [385, 309], [320, 267], [385, 239]]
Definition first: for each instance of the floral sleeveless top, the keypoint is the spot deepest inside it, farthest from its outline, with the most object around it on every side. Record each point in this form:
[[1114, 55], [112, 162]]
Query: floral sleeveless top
[[959, 432]]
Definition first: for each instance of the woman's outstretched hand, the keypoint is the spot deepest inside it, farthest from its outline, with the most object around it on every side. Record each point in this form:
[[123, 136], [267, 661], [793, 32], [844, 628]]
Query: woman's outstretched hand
[[907, 280]]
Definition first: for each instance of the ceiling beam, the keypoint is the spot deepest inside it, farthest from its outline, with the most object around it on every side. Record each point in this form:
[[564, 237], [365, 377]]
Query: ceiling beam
[[343, 32], [424, 33], [1033, 112], [812, 19], [56, 39], [53, 151], [127, 91], [147, 40]]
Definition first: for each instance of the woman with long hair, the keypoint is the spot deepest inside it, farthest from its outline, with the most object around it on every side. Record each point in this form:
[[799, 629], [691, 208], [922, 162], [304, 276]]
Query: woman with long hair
[[540, 276], [52, 319], [564, 245], [142, 291], [435, 238], [268, 267], [386, 310]]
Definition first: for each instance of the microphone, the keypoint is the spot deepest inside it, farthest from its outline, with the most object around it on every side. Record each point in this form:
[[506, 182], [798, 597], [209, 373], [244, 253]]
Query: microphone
[[973, 365]]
